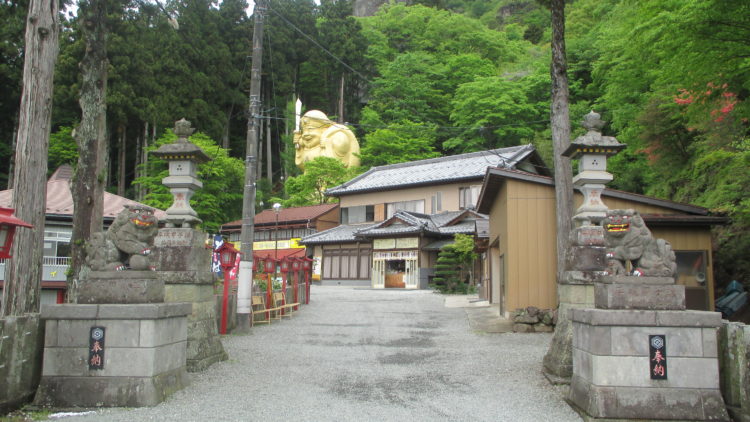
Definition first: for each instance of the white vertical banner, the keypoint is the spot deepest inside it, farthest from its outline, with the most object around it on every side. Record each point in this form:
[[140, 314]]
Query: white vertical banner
[[245, 288]]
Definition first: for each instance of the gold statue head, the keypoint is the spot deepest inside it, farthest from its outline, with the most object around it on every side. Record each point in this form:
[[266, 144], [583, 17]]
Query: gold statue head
[[319, 136]]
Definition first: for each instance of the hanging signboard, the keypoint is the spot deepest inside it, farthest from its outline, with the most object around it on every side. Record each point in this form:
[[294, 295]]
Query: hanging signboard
[[280, 244], [384, 243], [407, 243]]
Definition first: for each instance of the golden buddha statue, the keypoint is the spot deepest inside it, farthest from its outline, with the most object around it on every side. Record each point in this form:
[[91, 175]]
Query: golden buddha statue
[[317, 136]]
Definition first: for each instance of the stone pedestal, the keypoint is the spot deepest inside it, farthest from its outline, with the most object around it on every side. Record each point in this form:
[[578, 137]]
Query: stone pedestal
[[143, 354], [121, 287], [612, 356], [184, 266], [584, 263]]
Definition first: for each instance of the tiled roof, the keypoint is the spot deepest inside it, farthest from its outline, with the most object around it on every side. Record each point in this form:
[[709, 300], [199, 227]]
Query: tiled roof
[[433, 171], [60, 199], [402, 223], [286, 215], [340, 234]]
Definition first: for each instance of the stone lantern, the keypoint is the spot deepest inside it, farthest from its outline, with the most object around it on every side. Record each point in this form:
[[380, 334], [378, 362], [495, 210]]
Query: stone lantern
[[183, 157], [585, 258], [592, 150]]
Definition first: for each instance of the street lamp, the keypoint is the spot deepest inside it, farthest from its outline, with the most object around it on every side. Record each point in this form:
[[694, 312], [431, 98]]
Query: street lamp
[[8, 224], [227, 258]]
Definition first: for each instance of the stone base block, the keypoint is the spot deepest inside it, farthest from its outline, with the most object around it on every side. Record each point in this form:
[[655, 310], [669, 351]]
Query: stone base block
[[71, 392], [583, 277], [598, 403], [144, 354], [21, 344], [587, 236], [586, 258], [629, 279], [576, 294], [121, 287], [181, 250], [639, 296], [612, 373], [204, 346]]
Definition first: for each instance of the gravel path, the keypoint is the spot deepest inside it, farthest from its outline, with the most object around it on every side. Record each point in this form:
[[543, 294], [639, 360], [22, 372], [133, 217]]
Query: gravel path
[[367, 355]]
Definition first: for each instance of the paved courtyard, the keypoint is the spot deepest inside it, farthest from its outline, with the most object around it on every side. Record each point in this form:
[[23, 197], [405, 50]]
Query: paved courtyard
[[368, 355]]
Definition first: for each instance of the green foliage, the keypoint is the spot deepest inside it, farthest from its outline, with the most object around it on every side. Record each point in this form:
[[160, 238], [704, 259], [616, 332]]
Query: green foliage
[[62, 149], [452, 263], [464, 249], [423, 57], [220, 199], [493, 106], [400, 142], [13, 18], [672, 76], [320, 174], [262, 284]]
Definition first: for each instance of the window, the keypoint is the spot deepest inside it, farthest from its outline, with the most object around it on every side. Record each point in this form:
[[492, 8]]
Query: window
[[349, 264], [467, 197], [261, 235], [437, 202], [57, 243], [358, 214], [302, 232], [412, 206]]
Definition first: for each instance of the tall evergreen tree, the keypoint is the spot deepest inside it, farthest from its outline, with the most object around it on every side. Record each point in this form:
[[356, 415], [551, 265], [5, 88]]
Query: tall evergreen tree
[[23, 273]]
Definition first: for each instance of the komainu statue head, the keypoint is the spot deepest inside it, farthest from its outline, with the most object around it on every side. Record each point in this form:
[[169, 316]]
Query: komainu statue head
[[632, 250]]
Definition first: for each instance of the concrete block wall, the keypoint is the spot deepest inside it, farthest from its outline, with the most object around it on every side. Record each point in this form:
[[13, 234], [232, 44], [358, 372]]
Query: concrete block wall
[[21, 345], [734, 363], [611, 365]]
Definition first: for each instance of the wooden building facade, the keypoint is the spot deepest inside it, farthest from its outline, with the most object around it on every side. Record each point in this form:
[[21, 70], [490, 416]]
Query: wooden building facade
[[520, 264]]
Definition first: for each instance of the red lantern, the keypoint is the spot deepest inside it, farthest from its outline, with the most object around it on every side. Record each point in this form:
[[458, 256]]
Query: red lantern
[[227, 256], [8, 224], [270, 265], [295, 264], [285, 265], [307, 264]]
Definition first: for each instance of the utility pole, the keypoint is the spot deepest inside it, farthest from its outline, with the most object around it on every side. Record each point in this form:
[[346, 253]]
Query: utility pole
[[245, 276]]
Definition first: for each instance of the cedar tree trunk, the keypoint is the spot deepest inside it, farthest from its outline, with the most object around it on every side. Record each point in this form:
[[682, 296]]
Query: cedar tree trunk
[[23, 273], [91, 137], [560, 126]]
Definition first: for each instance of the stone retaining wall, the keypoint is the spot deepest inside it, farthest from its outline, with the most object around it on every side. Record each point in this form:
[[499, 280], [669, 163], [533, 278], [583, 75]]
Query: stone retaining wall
[[734, 366], [21, 344]]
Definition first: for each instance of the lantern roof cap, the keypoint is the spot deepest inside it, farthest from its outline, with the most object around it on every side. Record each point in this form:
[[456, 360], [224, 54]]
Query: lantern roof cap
[[6, 216], [182, 148], [593, 141]]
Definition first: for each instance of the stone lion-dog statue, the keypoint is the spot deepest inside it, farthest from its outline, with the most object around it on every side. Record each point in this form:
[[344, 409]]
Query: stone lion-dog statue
[[628, 240], [127, 243]]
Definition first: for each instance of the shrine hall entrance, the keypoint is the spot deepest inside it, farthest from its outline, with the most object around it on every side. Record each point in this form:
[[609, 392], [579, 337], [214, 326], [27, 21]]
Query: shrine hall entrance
[[394, 274], [394, 270]]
